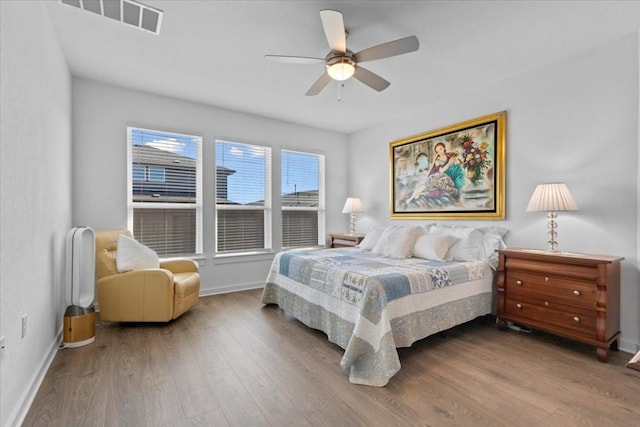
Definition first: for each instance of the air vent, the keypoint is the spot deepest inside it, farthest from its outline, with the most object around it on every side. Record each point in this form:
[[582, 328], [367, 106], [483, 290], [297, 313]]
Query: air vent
[[126, 11]]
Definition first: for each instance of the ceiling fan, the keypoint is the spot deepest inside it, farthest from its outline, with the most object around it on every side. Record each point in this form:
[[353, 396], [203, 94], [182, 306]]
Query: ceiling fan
[[341, 63]]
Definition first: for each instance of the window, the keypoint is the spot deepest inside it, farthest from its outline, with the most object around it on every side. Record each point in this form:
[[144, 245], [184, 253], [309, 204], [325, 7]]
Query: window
[[302, 184], [164, 197], [243, 197], [156, 174], [139, 173]]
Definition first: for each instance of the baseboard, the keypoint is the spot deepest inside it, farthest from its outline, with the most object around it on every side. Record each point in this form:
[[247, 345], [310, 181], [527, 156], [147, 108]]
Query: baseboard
[[24, 403], [231, 288], [628, 346]]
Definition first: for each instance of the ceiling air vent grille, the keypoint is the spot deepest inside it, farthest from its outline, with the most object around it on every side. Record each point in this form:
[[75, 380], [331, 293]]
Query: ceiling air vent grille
[[126, 11]]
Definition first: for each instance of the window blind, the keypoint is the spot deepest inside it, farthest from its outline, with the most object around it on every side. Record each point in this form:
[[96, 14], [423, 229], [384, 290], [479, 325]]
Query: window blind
[[243, 197], [302, 198], [164, 197]]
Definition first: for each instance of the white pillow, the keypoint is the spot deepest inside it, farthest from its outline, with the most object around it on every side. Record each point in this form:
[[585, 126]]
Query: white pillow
[[397, 241], [132, 255], [491, 241], [434, 246], [371, 238], [469, 246]]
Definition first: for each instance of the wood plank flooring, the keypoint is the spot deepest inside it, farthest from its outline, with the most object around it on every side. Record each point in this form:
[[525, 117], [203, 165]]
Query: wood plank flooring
[[232, 362]]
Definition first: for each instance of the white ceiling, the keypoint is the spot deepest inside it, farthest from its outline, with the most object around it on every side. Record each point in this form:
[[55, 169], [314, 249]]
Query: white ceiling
[[212, 51]]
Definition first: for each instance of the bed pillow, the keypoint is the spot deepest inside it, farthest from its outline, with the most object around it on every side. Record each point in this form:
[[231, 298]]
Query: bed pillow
[[469, 246], [434, 246], [492, 240], [371, 238], [397, 241], [133, 255]]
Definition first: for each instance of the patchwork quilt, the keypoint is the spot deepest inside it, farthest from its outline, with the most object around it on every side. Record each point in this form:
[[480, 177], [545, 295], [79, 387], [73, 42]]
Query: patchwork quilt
[[370, 305]]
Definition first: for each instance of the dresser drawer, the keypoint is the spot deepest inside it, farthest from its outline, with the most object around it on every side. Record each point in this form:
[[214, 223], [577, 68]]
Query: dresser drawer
[[588, 273], [551, 288], [555, 315]]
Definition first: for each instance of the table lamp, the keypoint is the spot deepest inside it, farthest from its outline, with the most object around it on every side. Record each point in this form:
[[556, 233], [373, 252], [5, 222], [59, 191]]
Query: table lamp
[[552, 197], [352, 206]]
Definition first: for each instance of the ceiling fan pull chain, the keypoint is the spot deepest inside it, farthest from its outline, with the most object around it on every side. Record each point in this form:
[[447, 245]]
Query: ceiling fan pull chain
[[340, 86]]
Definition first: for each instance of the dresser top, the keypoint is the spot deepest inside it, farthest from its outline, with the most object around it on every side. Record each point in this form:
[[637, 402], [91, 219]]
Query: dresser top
[[568, 257]]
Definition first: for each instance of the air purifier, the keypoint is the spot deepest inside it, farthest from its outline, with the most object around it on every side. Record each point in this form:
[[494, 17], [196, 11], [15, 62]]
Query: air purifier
[[80, 316]]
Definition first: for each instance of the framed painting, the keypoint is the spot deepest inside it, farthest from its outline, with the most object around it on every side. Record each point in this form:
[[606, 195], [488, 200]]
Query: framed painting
[[451, 173]]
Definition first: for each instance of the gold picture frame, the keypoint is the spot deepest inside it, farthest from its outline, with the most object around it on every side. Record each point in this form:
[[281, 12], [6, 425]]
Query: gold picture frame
[[455, 172]]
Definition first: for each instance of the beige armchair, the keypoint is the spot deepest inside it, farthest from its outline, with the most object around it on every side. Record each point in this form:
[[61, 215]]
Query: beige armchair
[[151, 295]]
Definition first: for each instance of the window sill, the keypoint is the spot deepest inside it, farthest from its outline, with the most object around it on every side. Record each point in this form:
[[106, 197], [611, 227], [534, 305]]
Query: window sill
[[243, 257]]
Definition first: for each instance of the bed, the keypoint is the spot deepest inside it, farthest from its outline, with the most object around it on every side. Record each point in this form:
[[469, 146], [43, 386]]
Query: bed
[[373, 299]]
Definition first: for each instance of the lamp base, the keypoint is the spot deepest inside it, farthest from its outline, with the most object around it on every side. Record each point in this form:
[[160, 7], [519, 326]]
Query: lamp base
[[552, 225], [353, 224]]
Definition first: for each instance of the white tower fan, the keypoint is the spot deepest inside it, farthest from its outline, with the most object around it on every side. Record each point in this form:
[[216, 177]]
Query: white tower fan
[[80, 315]]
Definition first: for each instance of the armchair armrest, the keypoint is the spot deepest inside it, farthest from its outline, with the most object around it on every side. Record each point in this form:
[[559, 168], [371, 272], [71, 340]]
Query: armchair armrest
[[139, 295], [180, 265]]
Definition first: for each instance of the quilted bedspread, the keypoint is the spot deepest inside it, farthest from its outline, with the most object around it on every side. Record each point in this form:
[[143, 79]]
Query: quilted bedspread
[[370, 305]]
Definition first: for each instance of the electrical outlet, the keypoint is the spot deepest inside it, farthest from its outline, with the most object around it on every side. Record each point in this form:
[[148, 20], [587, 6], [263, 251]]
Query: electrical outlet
[[1, 348], [24, 325]]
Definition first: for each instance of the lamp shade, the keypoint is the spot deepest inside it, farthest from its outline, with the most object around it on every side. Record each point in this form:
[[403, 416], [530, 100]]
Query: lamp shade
[[352, 205], [551, 197]]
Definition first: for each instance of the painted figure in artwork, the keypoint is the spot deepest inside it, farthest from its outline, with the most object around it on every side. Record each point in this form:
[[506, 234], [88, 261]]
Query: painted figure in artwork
[[448, 163], [439, 185]]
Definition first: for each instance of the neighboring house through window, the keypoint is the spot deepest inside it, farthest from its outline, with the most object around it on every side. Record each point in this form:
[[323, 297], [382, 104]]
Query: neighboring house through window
[[164, 195]]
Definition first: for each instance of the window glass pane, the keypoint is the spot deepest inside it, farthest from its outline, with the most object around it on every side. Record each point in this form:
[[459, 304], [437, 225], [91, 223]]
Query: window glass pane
[[243, 189], [240, 230], [299, 228], [169, 232], [171, 163], [165, 191], [299, 179]]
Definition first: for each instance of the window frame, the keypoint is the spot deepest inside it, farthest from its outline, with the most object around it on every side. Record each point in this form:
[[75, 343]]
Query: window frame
[[267, 208], [197, 205], [320, 209]]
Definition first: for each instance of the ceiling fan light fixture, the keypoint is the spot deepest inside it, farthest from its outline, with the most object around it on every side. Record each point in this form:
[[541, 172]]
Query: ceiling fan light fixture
[[341, 67], [341, 71]]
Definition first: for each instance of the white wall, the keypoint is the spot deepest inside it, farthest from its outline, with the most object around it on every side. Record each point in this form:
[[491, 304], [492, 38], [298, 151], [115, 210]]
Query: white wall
[[35, 200], [575, 120], [101, 114]]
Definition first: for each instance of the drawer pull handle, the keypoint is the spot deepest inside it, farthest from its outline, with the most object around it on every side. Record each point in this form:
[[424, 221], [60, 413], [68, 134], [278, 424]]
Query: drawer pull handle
[[519, 305], [546, 279], [576, 293], [576, 319], [546, 303], [519, 282]]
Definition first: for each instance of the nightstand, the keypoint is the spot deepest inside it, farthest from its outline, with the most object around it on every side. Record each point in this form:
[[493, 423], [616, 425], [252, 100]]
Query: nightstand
[[339, 240], [575, 296]]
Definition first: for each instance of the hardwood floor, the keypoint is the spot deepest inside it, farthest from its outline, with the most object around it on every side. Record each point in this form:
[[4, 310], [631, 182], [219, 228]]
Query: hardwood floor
[[231, 361]]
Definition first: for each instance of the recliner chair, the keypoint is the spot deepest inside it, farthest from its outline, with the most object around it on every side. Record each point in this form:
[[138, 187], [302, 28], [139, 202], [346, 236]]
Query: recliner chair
[[149, 295]]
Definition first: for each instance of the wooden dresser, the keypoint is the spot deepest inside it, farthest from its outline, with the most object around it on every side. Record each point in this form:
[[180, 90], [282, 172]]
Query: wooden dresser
[[340, 240], [576, 296]]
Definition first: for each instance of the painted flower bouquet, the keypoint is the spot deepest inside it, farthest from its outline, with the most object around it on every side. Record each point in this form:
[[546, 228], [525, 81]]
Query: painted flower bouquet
[[475, 158]]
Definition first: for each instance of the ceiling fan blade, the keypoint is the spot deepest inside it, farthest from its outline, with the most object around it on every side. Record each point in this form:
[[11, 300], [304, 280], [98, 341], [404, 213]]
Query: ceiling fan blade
[[334, 29], [386, 50], [372, 80], [293, 59], [319, 85]]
